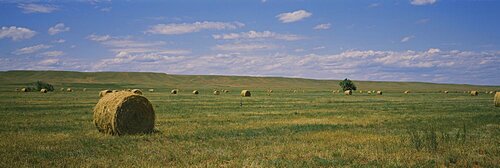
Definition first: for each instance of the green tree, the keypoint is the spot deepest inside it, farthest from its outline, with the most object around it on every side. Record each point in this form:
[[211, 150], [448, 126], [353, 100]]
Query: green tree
[[347, 84], [39, 85]]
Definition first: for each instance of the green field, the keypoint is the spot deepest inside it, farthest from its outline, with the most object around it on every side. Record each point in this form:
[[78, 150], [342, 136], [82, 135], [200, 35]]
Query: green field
[[310, 128]]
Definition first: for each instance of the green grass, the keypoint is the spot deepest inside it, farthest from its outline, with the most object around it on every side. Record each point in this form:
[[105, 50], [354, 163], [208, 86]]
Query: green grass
[[310, 129]]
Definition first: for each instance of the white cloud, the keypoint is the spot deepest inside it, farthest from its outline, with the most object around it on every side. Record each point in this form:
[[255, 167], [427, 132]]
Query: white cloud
[[53, 53], [322, 26], [49, 62], [407, 38], [31, 49], [58, 28], [99, 38], [106, 9], [59, 41], [319, 47], [16, 33], [433, 50], [257, 35], [183, 28], [241, 47], [422, 2], [374, 5], [37, 8], [293, 16], [263, 1]]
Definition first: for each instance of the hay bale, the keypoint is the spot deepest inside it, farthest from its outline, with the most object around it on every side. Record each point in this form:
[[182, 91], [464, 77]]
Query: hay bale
[[69, 90], [497, 99], [446, 92], [62, 89], [216, 92], [196, 92], [348, 92], [270, 91], [103, 93], [124, 113], [136, 91], [17, 90], [491, 92], [226, 91], [407, 91], [245, 93], [174, 91], [84, 89], [43, 91], [379, 92], [369, 92], [151, 90], [24, 90], [474, 93], [360, 91]]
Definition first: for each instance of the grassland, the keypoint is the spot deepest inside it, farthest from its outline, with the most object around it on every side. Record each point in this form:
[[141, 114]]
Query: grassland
[[314, 128]]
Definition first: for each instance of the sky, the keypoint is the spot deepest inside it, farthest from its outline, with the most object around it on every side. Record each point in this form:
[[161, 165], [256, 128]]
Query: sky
[[439, 41]]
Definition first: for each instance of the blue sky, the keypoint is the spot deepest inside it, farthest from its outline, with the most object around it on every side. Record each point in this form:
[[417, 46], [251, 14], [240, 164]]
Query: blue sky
[[443, 41]]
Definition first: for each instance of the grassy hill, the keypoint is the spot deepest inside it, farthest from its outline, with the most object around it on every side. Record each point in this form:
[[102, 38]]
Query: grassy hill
[[12, 79]]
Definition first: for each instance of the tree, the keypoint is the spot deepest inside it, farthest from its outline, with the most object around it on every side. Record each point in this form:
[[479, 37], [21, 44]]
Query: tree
[[347, 84], [39, 85]]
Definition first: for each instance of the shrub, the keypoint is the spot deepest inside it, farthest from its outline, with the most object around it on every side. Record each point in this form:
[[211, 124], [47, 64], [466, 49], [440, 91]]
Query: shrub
[[347, 84], [39, 85]]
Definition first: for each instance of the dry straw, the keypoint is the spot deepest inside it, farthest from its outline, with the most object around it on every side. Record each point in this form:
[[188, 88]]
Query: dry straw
[[474, 93], [196, 92], [245, 93], [103, 93], [124, 113], [497, 99], [216, 92], [136, 91], [174, 91], [379, 92], [348, 92], [43, 90]]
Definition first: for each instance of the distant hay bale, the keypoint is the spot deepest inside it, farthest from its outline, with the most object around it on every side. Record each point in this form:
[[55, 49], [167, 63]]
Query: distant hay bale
[[379, 92], [446, 92], [270, 91], [124, 113], [24, 90], [174, 91], [369, 92], [497, 99], [151, 90], [84, 89], [474, 93], [294, 91], [103, 93], [216, 92], [348, 92], [43, 90], [226, 91], [62, 89], [491, 92], [136, 91], [196, 92], [360, 91], [69, 90], [17, 90], [407, 91], [245, 93]]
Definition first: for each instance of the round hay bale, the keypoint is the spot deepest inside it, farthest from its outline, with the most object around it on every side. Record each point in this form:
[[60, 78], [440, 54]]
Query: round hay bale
[[69, 90], [446, 92], [103, 93], [360, 91], [407, 91], [151, 90], [136, 91], [348, 92], [497, 99], [62, 89], [124, 113], [270, 91], [474, 93], [491, 92], [379, 92], [216, 92], [226, 91], [24, 90], [294, 91], [84, 89], [17, 90], [43, 90], [173, 91], [369, 92], [195, 92], [245, 93]]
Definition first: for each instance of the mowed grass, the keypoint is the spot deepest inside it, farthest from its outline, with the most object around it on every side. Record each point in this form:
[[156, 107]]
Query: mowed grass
[[284, 129]]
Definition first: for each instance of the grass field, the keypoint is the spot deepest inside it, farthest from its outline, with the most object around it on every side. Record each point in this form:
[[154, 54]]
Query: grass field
[[314, 128]]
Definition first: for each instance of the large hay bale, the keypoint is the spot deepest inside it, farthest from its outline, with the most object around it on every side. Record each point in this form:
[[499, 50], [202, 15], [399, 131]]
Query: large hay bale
[[407, 91], [124, 113], [151, 90], [474, 93], [174, 91], [245, 93], [69, 90], [196, 92], [348, 92], [216, 92], [103, 93], [379, 92], [43, 90], [497, 99], [136, 91]]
